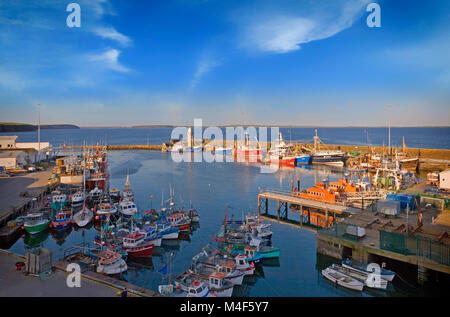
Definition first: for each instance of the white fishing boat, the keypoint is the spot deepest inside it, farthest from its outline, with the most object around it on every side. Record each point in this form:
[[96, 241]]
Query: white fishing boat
[[342, 279], [364, 268], [193, 286], [204, 265], [95, 194], [78, 198], [127, 209], [110, 262], [127, 192], [369, 280], [83, 217]]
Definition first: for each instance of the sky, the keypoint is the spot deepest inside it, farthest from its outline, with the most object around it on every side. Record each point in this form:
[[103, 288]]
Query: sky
[[274, 62]]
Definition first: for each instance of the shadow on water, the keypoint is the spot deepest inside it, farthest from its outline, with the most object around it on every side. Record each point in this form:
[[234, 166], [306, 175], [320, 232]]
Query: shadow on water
[[131, 167]]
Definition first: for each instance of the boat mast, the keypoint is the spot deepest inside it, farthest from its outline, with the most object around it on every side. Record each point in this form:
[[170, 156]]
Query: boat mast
[[39, 132], [389, 127]]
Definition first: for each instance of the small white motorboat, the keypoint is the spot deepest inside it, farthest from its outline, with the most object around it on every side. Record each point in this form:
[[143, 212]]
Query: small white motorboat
[[369, 279], [342, 279]]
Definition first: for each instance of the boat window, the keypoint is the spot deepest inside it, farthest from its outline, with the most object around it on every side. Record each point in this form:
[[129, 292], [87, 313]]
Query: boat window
[[192, 291]]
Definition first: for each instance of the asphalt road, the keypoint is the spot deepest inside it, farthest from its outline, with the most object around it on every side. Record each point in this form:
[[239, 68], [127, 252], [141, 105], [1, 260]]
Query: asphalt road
[[11, 187]]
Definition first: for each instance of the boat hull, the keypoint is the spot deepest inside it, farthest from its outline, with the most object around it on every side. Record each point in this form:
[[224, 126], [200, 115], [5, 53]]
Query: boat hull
[[34, 229], [302, 160], [140, 251]]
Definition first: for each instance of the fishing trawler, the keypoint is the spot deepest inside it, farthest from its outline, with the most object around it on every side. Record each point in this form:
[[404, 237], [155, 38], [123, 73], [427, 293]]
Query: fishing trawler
[[136, 246], [335, 158], [248, 150], [406, 162]]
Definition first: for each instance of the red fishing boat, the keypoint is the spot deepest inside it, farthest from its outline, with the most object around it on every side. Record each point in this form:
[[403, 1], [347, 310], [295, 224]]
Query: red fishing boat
[[180, 220], [136, 246]]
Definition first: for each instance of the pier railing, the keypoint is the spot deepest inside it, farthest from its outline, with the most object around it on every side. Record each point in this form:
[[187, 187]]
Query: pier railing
[[415, 245], [339, 230]]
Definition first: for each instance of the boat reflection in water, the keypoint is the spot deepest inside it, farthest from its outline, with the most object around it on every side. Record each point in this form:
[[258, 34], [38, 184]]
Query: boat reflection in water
[[35, 240], [141, 264], [173, 244], [61, 235], [274, 262]]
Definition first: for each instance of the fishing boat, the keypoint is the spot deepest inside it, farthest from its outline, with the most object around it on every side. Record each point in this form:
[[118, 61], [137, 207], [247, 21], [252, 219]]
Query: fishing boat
[[136, 246], [180, 220], [334, 158], [219, 285], [59, 200], [369, 280], [62, 220], [83, 217], [248, 150], [114, 194], [166, 230], [243, 265], [406, 162], [268, 252], [281, 154], [193, 214], [127, 192], [342, 279], [36, 222], [95, 194], [205, 264], [151, 235], [110, 262], [78, 198], [187, 286], [253, 256], [364, 268], [106, 209], [127, 209], [302, 159], [222, 150]]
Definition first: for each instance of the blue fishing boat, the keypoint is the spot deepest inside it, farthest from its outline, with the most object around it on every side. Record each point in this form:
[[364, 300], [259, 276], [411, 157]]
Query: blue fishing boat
[[302, 159]]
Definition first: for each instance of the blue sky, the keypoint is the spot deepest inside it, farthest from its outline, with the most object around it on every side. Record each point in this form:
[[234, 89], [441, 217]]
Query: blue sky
[[225, 61]]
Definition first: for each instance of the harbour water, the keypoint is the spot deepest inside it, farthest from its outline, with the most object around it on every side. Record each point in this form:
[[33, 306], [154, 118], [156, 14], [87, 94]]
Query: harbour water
[[210, 187]]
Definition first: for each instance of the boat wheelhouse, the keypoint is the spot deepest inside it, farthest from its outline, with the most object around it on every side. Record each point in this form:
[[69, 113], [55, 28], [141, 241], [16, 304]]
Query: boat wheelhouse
[[78, 198], [180, 220], [36, 222], [62, 220], [127, 209], [136, 246], [110, 262], [59, 200]]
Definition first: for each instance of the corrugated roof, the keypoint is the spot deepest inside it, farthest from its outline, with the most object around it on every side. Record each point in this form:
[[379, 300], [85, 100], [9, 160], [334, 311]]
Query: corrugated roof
[[8, 137]]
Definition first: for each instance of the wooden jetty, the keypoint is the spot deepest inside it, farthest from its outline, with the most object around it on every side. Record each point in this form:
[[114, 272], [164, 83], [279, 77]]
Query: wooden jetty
[[284, 198]]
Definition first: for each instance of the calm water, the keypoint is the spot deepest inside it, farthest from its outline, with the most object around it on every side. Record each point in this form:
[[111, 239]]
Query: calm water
[[435, 138], [210, 187]]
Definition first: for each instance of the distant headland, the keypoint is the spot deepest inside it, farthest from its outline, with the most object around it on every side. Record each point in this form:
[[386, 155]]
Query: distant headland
[[22, 127]]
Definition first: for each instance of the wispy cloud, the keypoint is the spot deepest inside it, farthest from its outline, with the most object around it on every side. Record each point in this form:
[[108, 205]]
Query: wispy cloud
[[110, 60], [203, 67], [283, 32], [112, 34]]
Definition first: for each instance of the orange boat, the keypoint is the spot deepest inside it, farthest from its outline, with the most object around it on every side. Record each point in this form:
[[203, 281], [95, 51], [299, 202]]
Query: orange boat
[[321, 192], [345, 186]]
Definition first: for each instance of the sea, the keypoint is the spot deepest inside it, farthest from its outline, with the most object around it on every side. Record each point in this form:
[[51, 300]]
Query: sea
[[215, 189]]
